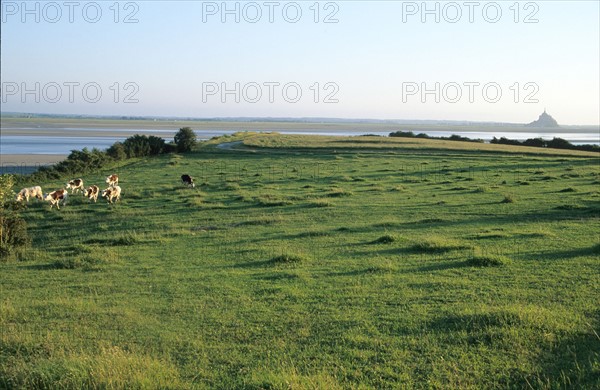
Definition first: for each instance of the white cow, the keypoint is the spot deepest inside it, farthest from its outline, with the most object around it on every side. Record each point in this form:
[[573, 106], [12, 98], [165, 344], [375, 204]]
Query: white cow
[[112, 180], [92, 193], [112, 193], [27, 193], [75, 185], [56, 197]]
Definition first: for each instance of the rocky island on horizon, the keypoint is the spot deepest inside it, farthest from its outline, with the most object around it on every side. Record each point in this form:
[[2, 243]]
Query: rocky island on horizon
[[545, 120]]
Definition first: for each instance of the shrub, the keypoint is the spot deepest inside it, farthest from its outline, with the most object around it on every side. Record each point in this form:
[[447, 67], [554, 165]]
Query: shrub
[[13, 229], [142, 145], [535, 142], [404, 134], [117, 151], [185, 139], [559, 143], [13, 234]]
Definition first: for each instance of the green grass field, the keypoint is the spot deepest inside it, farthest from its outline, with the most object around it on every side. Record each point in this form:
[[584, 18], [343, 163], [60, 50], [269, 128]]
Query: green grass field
[[315, 262]]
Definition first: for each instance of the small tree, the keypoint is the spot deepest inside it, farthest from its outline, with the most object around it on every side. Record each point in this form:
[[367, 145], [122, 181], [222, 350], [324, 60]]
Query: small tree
[[185, 139]]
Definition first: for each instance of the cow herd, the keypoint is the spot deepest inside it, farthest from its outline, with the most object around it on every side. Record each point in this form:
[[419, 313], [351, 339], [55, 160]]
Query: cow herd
[[112, 194], [56, 198]]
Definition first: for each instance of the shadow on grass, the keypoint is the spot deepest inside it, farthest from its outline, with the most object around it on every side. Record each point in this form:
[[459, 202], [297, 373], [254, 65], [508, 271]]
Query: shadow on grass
[[593, 250], [572, 362], [283, 276], [39, 267]]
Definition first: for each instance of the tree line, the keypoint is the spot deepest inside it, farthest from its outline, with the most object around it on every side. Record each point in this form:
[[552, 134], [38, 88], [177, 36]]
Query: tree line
[[83, 161], [555, 143]]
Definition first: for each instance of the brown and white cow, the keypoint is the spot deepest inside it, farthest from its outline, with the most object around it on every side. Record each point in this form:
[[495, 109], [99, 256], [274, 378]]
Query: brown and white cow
[[92, 193], [112, 180], [112, 193], [188, 180], [26, 193], [56, 197], [75, 185]]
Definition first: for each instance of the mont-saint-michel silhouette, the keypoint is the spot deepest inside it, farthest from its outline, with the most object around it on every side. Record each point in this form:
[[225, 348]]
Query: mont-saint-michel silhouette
[[545, 120]]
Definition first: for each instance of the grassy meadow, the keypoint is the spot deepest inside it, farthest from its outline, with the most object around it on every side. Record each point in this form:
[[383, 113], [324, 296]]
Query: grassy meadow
[[315, 262]]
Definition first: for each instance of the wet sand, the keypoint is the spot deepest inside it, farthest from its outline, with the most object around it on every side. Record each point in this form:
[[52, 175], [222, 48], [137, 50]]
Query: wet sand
[[30, 159], [23, 164]]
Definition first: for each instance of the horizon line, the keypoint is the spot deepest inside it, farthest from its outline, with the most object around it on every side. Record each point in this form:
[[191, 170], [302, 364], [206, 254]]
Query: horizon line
[[275, 119]]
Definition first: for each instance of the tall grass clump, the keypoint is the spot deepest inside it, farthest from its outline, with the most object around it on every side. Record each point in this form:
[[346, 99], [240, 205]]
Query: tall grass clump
[[385, 239], [509, 199], [321, 203], [287, 258], [487, 261]]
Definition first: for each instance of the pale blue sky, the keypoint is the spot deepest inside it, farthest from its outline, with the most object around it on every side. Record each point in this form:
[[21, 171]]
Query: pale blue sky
[[370, 55]]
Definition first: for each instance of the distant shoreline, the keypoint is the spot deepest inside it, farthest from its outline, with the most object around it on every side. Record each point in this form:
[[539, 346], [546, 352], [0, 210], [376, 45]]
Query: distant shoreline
[[31, 159], [272, 120], [94, 129], [22, 164]]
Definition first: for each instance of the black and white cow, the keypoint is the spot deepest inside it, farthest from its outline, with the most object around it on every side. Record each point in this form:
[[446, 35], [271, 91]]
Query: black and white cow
[[188, 180]]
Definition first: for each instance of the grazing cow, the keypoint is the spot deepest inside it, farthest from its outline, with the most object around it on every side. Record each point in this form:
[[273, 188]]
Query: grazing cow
[[75, 185], [27, 193], [112, 193], [92, 193], [56, 197], [112, 180], [188, 180]]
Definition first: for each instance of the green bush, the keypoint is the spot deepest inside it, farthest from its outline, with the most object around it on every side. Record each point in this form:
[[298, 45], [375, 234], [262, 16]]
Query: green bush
[[185, 139], [117, 151], [142, 146], [13, 229]]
